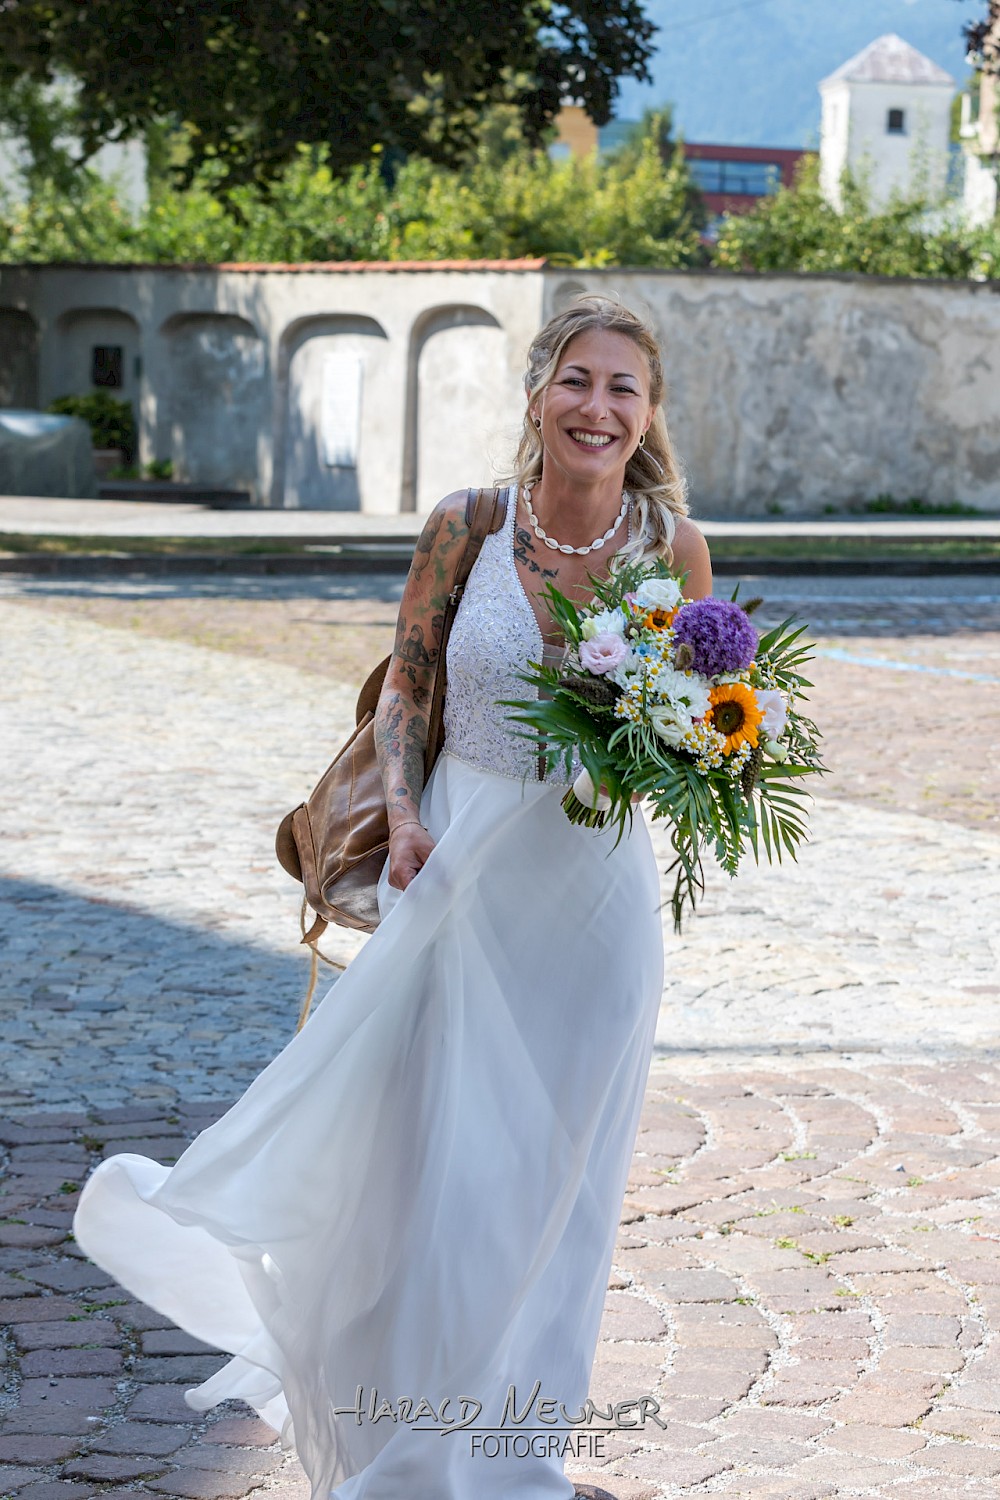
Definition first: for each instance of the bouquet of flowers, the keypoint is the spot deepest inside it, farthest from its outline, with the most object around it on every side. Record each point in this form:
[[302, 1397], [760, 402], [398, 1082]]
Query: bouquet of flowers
[[681, 702]]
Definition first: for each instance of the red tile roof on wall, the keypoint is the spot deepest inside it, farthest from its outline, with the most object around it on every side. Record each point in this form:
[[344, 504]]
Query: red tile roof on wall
[[527, 264], [386, 265]]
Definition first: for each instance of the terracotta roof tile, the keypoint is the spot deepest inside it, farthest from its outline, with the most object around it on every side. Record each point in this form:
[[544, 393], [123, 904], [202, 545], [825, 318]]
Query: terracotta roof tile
[[524, 264]]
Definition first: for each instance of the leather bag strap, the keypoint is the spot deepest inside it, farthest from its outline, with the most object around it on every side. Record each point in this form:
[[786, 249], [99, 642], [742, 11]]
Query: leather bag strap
[[485, 511]]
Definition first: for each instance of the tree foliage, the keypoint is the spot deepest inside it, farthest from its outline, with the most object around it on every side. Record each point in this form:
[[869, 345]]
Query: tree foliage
[[256, 82], [983, 38], [637, 206], [798, 230], [111, 422]]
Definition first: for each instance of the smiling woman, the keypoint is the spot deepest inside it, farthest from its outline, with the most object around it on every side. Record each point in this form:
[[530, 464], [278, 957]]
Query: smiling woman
[[419, 1197], [595, 447]]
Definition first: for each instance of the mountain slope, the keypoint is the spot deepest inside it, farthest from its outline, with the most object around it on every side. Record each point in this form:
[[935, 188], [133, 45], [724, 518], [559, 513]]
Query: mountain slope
[[746, 72]]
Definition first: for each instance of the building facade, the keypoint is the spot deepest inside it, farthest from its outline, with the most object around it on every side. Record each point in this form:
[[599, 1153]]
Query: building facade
[[733, 179], [886, 114]]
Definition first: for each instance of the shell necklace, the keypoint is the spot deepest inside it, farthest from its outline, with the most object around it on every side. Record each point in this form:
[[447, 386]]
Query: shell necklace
[[549, 541]]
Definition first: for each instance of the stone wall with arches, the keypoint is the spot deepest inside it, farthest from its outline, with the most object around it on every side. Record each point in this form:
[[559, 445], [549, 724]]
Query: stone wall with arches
[[376, 389], [18, 358], [380, 388]]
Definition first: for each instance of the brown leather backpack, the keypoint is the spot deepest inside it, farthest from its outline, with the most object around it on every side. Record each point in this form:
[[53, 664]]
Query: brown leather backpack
[[337, 841]]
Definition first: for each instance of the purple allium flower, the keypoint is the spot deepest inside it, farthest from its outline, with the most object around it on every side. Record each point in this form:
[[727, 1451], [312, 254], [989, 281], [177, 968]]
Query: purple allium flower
[[719, 634]]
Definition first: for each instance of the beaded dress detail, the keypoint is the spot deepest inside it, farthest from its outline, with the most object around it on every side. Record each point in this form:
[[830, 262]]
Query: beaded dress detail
[[494, 635]]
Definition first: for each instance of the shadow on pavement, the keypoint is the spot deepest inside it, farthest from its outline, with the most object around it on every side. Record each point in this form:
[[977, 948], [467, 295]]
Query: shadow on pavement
[[103, 1004]]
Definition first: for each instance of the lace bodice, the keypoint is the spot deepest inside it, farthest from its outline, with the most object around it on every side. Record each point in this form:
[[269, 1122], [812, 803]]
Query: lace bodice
[[494, 635]]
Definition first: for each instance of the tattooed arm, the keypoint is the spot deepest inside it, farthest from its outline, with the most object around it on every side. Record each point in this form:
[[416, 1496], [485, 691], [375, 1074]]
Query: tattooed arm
[[401, 718]]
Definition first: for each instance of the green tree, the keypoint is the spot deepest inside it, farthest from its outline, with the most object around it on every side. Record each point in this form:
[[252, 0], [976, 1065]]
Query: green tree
[[796, 229], [630, 208], [508, 199], [983, 38], [254, 82], [41, 119]]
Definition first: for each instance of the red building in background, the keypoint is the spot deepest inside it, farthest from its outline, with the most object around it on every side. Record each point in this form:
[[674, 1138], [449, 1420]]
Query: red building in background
[[733, 178]]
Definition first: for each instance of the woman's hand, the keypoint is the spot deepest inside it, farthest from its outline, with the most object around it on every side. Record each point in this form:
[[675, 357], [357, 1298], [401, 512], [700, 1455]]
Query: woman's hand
[[409, 847]]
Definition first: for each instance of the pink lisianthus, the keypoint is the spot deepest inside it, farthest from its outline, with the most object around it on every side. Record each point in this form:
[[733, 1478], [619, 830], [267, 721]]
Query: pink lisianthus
[[603, 653]]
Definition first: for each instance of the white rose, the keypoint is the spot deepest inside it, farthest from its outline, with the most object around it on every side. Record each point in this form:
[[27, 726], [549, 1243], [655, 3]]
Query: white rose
[[608, 622], [659, 593], [670, 723], [772, 705]]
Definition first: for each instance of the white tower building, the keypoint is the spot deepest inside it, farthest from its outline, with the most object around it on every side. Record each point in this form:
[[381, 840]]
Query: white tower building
[[887, 113]]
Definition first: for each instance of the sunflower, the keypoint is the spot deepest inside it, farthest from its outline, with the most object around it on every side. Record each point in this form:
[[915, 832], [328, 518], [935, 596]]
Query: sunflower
[[735, 714], [659, 619]]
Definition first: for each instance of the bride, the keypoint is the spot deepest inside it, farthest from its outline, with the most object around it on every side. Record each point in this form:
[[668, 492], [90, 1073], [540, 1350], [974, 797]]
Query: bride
[[402, 1232]]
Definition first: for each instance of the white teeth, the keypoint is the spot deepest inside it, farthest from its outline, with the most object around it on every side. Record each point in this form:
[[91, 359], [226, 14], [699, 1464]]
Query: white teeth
[[592, 440]]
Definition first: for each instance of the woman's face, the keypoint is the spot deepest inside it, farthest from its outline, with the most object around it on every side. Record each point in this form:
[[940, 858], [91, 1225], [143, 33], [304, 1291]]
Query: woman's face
[[596, 407]]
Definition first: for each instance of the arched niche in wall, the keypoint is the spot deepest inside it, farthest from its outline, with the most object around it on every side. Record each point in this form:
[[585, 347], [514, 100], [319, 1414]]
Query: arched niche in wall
[[456, 401], [96, 349], [212, 407], [18, 358], [330, 368]]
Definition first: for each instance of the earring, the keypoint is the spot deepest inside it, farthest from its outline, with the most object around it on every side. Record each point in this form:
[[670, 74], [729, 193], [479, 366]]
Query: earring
[[538, 422], [642, 440]]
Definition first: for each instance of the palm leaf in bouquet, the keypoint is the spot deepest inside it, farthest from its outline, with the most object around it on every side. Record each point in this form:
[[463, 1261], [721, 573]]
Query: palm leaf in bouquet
[[681, 703]]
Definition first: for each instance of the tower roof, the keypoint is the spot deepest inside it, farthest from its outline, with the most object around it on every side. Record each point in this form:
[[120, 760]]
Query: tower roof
[[889, 60]]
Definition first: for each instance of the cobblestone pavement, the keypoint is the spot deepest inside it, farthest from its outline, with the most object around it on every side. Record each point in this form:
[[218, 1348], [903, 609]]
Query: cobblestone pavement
[[929, 649], [808, 1272], [807, 1281]]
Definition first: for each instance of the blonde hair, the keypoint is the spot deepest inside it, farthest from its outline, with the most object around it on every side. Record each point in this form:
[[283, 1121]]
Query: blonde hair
[[652, 475]]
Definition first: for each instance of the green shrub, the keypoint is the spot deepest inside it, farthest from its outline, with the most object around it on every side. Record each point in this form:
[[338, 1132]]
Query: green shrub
[[111, 422], [796, 229]]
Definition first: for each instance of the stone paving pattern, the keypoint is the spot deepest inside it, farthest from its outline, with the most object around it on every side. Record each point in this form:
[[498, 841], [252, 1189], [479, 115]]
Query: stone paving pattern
[[808, 1270], [807, 1279], [339, 630]]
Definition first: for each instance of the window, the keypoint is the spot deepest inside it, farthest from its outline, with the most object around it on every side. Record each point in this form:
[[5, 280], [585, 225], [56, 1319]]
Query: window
[[751, 179], [896, 122], [106, 365]]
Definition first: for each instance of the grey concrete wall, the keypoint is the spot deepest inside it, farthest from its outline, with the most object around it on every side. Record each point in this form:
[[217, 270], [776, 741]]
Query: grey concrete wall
[[234, 373], [18, 359], [803, 391], [382, 389]]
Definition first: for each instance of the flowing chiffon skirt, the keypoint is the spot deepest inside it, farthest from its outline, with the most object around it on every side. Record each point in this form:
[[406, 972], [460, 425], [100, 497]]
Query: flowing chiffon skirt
[[419, 1197]]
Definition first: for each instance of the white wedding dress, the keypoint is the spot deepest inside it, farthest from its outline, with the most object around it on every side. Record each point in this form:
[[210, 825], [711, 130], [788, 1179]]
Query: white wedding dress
[[420, 1195]]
